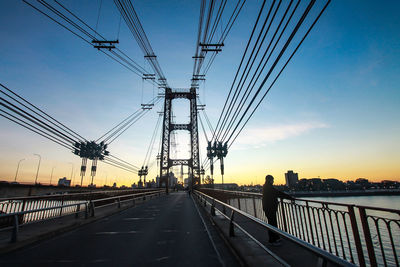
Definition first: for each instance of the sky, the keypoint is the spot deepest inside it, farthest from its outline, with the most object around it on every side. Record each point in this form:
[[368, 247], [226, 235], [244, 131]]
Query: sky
[[334, 112]]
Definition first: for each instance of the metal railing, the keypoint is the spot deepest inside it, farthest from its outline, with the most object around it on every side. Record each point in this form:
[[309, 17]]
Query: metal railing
[[17, 204], [366, 236], [45, 208], [223, 208]]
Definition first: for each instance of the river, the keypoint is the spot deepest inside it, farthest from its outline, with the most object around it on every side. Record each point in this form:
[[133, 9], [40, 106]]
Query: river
[[389, 202]]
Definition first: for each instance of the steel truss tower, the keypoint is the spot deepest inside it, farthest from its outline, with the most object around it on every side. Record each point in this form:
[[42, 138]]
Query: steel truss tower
[[194, 161]]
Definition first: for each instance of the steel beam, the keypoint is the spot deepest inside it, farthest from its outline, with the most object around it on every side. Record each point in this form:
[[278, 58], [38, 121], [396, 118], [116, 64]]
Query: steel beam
[[165, 161]]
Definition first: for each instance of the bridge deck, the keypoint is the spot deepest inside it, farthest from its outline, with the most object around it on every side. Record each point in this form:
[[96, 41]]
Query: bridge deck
[[163, 231]]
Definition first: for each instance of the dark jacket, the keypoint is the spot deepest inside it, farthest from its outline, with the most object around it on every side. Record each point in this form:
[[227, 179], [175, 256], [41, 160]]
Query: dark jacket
[[270, 198]]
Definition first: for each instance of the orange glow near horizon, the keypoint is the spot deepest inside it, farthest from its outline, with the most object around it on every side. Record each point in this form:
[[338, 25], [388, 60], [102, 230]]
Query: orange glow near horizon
[[123, 178]]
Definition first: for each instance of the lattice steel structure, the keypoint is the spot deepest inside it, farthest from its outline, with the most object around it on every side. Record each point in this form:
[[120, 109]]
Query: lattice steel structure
[[194, 161]]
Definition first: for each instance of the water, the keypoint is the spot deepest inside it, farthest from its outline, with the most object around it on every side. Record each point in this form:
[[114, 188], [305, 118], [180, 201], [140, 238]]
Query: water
[[389, 202]]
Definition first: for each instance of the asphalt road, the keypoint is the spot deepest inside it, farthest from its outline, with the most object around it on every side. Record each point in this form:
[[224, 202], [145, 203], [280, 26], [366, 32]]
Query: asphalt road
[[166, 231]]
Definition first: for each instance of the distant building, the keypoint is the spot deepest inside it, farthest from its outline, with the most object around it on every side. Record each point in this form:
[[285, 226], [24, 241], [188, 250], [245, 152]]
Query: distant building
[[64, 182], [291, 178], [158, 181], [140, 183], [333, 184], [362, 181], [228, 186], [172, 180]]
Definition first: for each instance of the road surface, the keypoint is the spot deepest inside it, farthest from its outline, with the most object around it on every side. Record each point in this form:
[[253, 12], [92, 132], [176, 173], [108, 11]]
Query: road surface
[[167, 231]]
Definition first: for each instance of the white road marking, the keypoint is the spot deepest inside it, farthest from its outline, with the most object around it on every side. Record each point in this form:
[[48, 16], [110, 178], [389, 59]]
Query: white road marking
[[169, 231], [136, 219], [115, 233], [162, 258]]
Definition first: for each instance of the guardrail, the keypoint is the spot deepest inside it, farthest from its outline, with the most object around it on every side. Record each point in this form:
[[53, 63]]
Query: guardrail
[[13, 220], [17, 204], [359, 234], [223, 208]]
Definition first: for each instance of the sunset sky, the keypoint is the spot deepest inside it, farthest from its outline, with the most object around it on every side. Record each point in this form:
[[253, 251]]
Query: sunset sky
[[334, 112]]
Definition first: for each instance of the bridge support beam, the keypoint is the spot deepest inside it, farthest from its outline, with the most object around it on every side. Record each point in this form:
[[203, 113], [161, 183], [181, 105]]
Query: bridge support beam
[[165, 161]]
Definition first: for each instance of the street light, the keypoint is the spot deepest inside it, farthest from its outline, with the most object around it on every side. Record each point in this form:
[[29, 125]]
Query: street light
[[16, 173], [72, 170], [37, 172], [51, 176], [74, 178]]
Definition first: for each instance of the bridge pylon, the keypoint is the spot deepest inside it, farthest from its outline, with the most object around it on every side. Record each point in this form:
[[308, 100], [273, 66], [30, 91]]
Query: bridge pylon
[[194, 161]]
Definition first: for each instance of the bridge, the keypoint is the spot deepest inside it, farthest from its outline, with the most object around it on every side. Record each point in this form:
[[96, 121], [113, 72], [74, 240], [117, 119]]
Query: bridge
[[156, 222], [226, 228]]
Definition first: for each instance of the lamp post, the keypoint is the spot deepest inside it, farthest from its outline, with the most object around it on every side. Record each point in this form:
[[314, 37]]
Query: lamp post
[[74, 178], [51, 176], [16, 173], [37, 172], [72, 170]]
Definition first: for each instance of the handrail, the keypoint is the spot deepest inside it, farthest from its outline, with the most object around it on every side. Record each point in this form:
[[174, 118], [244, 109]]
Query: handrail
[[123, 196], [311, 248], [74, 194], [361, 234], [276, 257], [3, 215], [310, 200]]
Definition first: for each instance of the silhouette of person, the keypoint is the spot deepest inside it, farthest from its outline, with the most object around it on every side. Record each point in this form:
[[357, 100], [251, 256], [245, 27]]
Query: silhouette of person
[[270, 206]]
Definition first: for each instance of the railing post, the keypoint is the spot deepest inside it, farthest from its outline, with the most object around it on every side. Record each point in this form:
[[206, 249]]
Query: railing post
[[231, 225], [239, 203], [23, 209], [283, 216], [92, 213], [14, 234], [86, 210], [133, 202], [119, 202], [213, 208], [78, 209], [23, 205], [356, 235], [309, 223], [367, 235], [62, 203], [322, 262], [254, 207]]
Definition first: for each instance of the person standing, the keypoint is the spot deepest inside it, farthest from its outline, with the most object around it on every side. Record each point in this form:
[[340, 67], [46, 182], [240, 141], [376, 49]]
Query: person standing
[[270, 206]]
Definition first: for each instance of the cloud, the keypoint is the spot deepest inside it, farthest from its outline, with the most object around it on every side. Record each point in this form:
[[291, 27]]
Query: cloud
[[261, 136]]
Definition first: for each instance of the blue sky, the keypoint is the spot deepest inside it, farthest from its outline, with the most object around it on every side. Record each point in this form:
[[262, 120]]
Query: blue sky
[[333, 113]]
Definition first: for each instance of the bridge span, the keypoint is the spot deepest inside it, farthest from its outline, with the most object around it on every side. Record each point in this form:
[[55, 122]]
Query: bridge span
[[207, 228]]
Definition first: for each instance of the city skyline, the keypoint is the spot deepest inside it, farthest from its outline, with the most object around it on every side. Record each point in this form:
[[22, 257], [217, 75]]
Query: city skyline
[[334, 112]]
